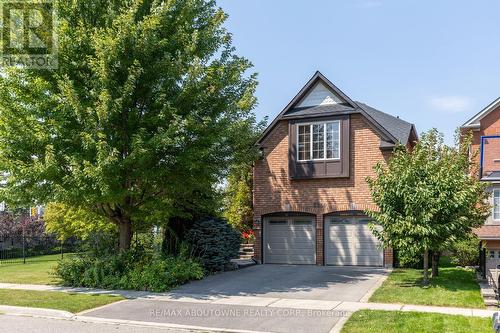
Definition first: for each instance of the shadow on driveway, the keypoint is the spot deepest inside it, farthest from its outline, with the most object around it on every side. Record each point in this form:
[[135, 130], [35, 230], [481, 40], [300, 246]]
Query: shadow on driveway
[[288, 281]]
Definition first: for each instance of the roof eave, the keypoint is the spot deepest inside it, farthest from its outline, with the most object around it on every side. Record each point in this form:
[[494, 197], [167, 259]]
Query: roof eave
[[472, 122], [377, 125], [317, 76]]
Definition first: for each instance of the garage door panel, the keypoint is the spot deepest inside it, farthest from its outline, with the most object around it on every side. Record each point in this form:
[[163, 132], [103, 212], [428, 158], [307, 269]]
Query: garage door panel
[[303, 235], [349, 241], [290, 246], [339, 261], [293, 242], [339, 245], [366, 245], [367, 252]]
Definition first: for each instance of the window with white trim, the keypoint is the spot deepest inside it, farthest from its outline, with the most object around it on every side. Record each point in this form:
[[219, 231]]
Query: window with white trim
[[496, 204], [318, 141], [492, 254], [304, 142]]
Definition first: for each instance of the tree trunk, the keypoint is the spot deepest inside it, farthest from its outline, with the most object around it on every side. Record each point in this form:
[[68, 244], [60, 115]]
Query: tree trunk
[[170, 244], [174, 235], [426, 267], [126, 234], [435, 263]]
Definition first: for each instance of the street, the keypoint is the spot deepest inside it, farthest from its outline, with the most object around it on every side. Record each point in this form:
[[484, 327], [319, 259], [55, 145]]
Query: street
[[24, 324]]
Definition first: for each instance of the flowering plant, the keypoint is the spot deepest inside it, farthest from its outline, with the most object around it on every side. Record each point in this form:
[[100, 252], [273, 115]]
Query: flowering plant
[[248, 235]]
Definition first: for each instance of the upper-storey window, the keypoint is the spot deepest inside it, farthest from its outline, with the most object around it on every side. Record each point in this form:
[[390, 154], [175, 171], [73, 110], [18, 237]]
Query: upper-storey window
[[496, 204], [318, 141]]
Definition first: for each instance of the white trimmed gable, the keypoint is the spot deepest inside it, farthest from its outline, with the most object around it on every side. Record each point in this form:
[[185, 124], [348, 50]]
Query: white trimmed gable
[[475, 122], [320, 95]]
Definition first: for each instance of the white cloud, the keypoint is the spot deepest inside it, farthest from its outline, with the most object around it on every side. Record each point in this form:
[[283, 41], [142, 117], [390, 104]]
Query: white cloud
[[451, 104]]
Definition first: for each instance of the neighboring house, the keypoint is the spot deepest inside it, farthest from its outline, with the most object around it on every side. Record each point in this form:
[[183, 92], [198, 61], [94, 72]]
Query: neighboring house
[[310, 188], [485, 127]]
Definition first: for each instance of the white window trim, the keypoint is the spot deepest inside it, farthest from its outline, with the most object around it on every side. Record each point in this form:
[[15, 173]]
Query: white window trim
[[493, 199], [324, 143]]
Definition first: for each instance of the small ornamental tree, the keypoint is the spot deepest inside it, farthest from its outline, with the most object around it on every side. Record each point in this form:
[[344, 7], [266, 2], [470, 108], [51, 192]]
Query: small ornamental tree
[[19, 225], [66, 221], [427, 197]]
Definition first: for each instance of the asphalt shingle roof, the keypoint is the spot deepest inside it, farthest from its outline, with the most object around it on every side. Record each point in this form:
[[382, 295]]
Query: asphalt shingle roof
[[398, 128], [319, 110], [488, 231]]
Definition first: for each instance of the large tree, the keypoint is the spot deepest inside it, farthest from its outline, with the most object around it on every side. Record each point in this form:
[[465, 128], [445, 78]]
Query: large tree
[[427, 197], [238, 193], [140, 117]]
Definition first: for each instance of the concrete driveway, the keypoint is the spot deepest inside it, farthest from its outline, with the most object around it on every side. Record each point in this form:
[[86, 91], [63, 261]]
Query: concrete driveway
[[263, 298], [330, 283]]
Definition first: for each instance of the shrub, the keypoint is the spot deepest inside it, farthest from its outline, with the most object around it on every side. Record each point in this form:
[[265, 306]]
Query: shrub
[[215, 242], [128, 270], [466, 252], [409, 259]]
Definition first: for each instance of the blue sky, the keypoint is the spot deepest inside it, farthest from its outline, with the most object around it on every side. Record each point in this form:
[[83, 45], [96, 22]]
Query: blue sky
[[433, 63]]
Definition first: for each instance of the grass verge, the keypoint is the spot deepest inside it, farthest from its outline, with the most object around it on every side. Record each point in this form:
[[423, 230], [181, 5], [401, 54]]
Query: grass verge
[[369, 321], [453, 287], [37, 270], [71, 302]]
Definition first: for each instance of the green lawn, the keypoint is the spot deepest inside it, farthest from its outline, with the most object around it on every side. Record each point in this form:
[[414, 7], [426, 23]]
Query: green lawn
[[37, 270], [368, 321], [453, 287], [54, 300]]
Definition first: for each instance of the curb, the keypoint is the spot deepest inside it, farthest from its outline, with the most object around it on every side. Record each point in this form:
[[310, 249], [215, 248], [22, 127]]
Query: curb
[[35, 312], [377, 285], [97, 320]]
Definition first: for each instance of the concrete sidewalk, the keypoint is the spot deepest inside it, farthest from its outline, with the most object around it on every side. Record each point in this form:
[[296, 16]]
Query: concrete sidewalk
[[222, 313], [256, 301], [130, 294], [231, 314]]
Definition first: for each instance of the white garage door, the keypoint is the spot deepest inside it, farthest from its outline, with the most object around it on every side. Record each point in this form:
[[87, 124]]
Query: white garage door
[[349, 241], [290, 240]]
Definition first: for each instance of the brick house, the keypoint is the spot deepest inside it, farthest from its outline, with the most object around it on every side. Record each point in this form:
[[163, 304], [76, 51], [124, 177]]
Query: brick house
[[310, 188], [485, 128]]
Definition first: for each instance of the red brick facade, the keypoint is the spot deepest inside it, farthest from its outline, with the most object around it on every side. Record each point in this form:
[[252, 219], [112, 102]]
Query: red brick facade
[[275, 192], [490, 126]]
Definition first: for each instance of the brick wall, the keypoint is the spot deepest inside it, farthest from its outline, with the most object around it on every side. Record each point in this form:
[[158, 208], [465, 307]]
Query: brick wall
[[490, 125], [275, 192]]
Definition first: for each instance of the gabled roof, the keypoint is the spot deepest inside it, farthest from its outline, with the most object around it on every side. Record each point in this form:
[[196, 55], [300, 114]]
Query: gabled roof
[[392, 129], [475, 122], [399, 128]]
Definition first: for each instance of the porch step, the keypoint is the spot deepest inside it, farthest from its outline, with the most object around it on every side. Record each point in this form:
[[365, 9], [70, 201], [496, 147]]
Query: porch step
[[488, 293], [243, 263], [246, 252], [491, 302], [245, 257]]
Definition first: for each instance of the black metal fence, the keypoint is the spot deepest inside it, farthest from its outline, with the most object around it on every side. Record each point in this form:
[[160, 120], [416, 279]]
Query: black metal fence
[[23, 249]]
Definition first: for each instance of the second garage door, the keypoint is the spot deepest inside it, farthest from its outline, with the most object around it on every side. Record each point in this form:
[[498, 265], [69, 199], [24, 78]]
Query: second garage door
[[349, 241], [289, 240]]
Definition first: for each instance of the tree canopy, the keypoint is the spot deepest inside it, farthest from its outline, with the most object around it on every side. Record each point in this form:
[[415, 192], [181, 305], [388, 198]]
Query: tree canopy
[[66, 222], [238, 195], [427, 197], [143, 114]]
